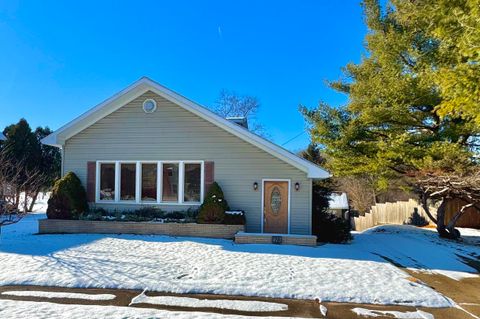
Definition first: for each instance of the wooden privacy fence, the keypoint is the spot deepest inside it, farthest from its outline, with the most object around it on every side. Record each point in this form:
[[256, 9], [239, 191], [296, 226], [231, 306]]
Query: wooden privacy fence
[[397, 213], [471, 217]]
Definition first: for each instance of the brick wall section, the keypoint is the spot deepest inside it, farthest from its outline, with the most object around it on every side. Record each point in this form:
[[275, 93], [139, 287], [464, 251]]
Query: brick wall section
[[301, 240], [52, 226]]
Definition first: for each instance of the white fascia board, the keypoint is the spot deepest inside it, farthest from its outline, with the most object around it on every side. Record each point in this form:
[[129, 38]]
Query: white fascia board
[[143, 85]]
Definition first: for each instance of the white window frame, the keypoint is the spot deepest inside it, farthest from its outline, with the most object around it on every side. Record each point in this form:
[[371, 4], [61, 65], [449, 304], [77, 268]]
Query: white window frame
[[97, 182], [202, 179], [138, 182], [119, 175]]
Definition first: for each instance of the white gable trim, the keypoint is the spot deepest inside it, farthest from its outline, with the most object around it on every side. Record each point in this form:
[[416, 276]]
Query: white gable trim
[[143, 85]]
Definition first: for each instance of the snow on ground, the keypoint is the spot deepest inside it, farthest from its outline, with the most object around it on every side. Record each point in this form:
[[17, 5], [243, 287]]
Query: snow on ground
[[41, 203], [46, 310], [393, 314], [421, 249], [52, 294], [342, 273], [240, 305]]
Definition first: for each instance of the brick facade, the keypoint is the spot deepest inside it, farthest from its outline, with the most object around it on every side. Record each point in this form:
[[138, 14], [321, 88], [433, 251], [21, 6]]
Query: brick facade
[[52, 226]]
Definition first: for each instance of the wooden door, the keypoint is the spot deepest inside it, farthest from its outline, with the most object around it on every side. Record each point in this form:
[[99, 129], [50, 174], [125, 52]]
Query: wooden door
[[275, 207]]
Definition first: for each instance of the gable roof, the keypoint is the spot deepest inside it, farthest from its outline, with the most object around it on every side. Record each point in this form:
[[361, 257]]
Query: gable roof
[[2, 137], [145, 84]]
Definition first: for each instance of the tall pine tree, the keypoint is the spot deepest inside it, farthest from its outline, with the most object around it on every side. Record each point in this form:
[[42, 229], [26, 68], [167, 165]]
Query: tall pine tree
[[413, 99]]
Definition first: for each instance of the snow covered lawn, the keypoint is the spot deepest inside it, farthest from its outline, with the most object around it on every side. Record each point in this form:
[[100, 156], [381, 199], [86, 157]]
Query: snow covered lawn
[[342, 273], [46, 310], [240, 305], [51, 294]]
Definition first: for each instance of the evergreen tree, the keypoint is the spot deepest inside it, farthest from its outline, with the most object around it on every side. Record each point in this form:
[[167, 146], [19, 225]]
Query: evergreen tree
[[412, 107], [455, 28], [23, 149], [212, 211], [49, 164], [326, 226], [30, 157]]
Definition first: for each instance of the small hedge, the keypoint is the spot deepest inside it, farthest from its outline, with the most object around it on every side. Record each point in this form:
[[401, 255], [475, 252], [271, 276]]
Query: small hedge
[[416, 219], [235, 218], [333, 229], [144, 214], [212, 211], [68, 199]]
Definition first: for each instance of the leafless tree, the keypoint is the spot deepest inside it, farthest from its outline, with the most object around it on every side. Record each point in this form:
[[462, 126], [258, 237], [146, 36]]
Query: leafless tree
[[360, 192], [439, 187], [231, 104], [13, 180]]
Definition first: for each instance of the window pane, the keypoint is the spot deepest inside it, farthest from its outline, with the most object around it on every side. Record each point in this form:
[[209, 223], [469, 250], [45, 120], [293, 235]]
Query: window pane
[[127, 181], [192, 182], [149, 182], [107, 181], [170, 183]]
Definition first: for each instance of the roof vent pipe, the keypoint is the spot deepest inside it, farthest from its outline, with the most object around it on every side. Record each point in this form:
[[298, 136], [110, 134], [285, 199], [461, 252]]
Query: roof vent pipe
[[239, 120]]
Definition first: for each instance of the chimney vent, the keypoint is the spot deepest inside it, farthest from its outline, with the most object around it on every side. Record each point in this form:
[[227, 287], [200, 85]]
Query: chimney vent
[[239, 120]]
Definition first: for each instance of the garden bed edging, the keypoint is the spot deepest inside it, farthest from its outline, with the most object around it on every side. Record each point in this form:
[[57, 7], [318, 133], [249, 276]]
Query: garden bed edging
[[65, 226]]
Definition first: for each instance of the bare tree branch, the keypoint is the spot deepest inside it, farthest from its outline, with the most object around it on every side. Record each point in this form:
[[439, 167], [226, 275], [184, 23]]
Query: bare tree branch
[[14, 178]]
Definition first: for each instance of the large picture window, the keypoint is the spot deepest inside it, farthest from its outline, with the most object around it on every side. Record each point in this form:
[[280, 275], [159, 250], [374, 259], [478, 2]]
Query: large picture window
[[149, 182], [107, 181], [127, 181], [192, 181], [169, 182]]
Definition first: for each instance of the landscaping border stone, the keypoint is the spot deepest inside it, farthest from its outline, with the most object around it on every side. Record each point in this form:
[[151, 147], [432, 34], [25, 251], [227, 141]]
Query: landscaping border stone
[[59, 226]]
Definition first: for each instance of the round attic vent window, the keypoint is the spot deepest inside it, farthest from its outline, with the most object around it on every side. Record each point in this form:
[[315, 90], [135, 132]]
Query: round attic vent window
[[149, 106]]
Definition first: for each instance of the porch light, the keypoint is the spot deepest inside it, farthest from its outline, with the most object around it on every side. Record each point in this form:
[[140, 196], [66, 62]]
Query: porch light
[[297, 186], [255, 186]]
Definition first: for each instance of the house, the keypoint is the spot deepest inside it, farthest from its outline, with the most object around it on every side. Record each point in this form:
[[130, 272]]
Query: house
[[148, 145], [2, 137], [338, 205]]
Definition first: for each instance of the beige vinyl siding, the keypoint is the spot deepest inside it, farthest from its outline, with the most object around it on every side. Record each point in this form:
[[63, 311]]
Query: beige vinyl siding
[[172, 133]]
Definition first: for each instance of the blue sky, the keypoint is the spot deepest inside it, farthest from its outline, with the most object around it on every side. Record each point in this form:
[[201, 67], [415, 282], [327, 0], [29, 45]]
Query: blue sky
[[59, 58]]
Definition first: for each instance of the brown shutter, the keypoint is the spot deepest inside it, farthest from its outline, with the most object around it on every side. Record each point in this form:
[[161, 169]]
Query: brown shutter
[[91, 179], [209, 177]]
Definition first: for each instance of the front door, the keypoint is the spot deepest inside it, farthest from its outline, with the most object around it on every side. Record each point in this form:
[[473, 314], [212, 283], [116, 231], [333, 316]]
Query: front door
[[275, 207]]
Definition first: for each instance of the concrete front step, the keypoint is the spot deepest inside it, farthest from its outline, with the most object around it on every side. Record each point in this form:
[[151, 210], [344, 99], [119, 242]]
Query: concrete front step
[[283, 239]]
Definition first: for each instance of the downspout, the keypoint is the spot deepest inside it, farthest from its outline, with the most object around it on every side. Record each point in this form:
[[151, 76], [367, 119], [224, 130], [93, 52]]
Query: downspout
[[310, 199]]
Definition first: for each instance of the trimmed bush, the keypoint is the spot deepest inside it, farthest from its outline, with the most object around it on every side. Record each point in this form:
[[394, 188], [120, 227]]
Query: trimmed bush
[[68, 199], [97, 213], [325, 225], [416, 219], [212, 211], [143, 214], [146, 213], [235, 219], [333, 229]]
